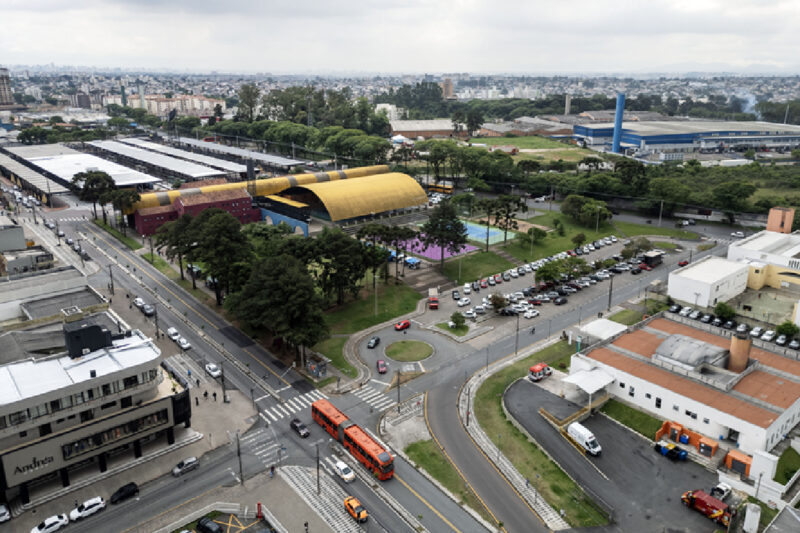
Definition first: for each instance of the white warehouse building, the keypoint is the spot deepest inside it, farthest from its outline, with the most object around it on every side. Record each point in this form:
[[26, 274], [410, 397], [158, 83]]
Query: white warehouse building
[[708, 281]]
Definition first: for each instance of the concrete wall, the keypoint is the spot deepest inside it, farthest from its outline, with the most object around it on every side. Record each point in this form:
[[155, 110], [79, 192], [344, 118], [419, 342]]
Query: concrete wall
[[12, 238], [14, 292], [707, 294]]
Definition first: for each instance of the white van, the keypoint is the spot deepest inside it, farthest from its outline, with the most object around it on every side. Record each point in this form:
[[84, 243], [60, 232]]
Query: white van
[[585, 438]]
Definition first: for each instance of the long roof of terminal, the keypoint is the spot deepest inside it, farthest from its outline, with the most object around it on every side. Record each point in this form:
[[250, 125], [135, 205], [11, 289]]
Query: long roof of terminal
[[43, 183], [212, 162], [67, 165], [269, 159], [166, 162], [686, 127]]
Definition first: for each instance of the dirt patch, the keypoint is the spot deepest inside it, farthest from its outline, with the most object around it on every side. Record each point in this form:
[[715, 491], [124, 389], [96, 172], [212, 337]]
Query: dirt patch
[[524, 226]]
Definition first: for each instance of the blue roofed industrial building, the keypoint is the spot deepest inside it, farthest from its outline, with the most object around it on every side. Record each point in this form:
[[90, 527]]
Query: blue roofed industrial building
[[690, 136]]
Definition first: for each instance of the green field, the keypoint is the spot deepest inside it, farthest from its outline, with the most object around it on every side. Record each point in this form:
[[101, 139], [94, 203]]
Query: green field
[[476, 265], [533, 141], [428, 456], [788, 464], [665, 245], [636, 420], [555, 486], [555, 243], [332, 349], [393, 301], [130, 242], [459, 332], [569, 155], [407, 351], [627, 317], [630, 229]]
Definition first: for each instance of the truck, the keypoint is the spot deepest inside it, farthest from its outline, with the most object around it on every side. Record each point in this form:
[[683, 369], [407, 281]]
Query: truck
[[708, 505], [433, 298], [539, 371], [652, 258], [584, 438]]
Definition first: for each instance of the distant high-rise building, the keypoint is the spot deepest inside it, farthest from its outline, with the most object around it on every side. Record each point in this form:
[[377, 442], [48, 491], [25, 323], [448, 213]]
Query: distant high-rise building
[[6, 96], [447, 88]]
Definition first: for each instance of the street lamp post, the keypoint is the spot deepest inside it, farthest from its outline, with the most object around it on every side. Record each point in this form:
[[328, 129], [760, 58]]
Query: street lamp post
[[516, 338]]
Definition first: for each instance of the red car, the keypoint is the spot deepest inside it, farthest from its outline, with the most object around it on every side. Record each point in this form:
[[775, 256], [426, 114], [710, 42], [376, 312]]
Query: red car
[[381, 366], [645, 266], [535, 301], [683, 263], [484, 284], [498, 278], [403, 324]]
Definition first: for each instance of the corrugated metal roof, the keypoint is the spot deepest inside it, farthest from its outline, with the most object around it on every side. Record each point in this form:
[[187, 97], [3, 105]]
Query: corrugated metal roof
[[66, 166], [212, 162], [168, 163], [44, 184], [345, 199], [269, 159]]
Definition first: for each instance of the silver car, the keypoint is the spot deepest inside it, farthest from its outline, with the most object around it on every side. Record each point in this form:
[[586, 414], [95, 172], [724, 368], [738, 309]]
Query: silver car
[[187, 465]]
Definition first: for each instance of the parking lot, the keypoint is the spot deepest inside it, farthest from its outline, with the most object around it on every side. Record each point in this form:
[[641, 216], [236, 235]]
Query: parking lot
[[643, 488]]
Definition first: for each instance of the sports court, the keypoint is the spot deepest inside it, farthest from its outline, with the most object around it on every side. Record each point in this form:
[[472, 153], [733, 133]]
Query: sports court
[[476, 232]]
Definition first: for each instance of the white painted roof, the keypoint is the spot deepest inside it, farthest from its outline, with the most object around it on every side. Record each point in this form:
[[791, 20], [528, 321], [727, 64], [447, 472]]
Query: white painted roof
[[44, 184], [590, 381], [710, 269], [30, 378], [66, 166], [183, 154], [239, 152], [602, 328], [166, 162]]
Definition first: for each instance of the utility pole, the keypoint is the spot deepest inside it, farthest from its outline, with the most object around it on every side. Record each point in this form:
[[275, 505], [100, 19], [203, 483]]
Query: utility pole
[[660, 212], [152, 259], [111, 275], [516, 338], [155, 306], [239, 454], [318, 489], [399, 374], [610, 288]]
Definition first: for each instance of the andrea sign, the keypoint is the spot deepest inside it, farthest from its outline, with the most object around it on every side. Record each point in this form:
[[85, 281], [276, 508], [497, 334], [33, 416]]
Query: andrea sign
[[34, 465]]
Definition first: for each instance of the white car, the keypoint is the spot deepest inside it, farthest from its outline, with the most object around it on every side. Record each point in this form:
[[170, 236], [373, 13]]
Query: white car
[[467, 288], [5, 516], [187, 465], [87, 508], [213, 370], [768, 335], [173, 334], [138, 302], [514, 273], [184, 344], [463, 302], [531, 313], [469, 313], [737, 235], [344, 471], [54, 523]]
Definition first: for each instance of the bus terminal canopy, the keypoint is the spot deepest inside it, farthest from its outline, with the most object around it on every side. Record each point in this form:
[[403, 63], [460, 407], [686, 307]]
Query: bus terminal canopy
[[590, 381]]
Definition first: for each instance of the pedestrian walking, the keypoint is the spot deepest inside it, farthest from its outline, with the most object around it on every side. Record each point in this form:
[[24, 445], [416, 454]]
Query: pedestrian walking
[[527, 483], [76, 503], [215, 396], [196, 401], [271, 471], [198, 382], [205, 395]]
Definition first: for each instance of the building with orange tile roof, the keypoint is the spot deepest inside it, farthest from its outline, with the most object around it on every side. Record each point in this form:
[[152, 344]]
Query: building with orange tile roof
[[671, 368]]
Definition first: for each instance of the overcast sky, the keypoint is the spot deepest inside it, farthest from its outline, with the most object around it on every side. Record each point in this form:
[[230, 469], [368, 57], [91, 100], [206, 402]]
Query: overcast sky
[[415, 36]]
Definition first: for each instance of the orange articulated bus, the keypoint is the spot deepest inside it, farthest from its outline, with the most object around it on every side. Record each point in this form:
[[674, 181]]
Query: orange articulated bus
[[355, 440]]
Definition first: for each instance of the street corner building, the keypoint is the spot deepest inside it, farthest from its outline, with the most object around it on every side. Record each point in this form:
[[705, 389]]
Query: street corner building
[[82, 398]]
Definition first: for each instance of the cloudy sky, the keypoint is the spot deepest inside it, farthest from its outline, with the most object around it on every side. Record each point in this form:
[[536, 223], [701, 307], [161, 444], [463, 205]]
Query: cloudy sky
[[341, 36]]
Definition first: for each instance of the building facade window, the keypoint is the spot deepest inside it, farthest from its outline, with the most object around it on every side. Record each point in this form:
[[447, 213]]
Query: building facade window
[[87, 444], [658, 403]]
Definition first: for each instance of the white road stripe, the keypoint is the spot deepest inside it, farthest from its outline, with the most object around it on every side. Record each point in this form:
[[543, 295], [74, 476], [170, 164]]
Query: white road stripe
[[271, 416]]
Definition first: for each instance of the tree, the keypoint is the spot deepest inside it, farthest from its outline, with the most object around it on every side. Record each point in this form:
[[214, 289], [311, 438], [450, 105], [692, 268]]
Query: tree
[[458, 121], [91, 185], [280, 297], [508, 205], [248, 101], [724, 311], [788, 328], [339, 260], [222, 246], [488, 206], [528, 165], [474, 121], [218, 111], [445, 230], [750, 154], [122, 200], [498, 301], [731, 197], [579, 239], [120, 123], [174, 237], [584, 210], [550, 271], [458, 319], [536, 234]]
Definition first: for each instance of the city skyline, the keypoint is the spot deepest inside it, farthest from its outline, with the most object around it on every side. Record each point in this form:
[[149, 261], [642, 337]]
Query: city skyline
[[244, 36]]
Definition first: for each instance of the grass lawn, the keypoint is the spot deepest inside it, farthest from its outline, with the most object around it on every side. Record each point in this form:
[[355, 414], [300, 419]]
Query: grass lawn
[[459, 332], [162, 266], [520, 142], [407, 351], [665, 245], [562, 363], [332, 349], [555, 486], [555, 243], [627, 317], [636, 420], [631, 229], [767, 514], [566, 154], [393, 300], [788, 464], [130, 242], [474, 266], [428, 456]]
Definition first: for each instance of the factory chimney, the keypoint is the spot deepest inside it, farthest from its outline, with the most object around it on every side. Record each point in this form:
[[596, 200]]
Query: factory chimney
[[618, 123], [740, 352]]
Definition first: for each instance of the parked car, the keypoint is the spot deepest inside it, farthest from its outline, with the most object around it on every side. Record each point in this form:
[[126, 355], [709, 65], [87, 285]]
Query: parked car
[[695, 315], [768, 336], [464, 301], [716, 322], [706, 319], [187, 465], [485, 283], [476, 286], [355, 509], [60, 233], [148, 310], [213, 370], [686, 311], [207, 525], [560, 300], [373, 342], [469, 313], [173, 334], [674, 308], [506, 276], [742, 328], [756, 331], [299, 428], [125, 492], [87, 508], [403, 324], [467, 288], [184, 344], [737, 234], [138, 302], [344, 471], [69, 241], [636, 271], [479, 309], [491, 282], [531, 313], [456, 295], [683, 263], [5, 515], [53, 523], [794, 344], [380, 365], [729, 324], [781, 340]]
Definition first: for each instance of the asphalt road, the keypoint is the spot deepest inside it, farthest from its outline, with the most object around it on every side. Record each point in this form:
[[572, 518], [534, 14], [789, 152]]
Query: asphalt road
[[627, 471]]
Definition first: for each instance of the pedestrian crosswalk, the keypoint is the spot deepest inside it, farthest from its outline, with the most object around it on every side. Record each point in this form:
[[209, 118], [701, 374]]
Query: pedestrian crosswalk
[[293, 406], [263, 444], [375, 398], [69, 219]]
